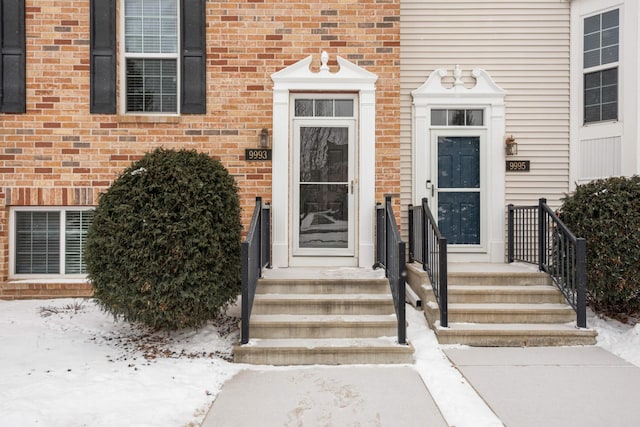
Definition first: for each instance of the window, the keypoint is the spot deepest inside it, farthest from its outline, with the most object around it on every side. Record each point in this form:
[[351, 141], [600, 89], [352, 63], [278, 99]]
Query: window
[[323, 107], [457, 117], [163, 56], [600, 63], [151, 55], [50, 242]]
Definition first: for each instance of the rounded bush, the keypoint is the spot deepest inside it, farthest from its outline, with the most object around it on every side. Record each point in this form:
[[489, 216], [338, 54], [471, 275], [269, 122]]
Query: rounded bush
[[607, 214], [164, 245]]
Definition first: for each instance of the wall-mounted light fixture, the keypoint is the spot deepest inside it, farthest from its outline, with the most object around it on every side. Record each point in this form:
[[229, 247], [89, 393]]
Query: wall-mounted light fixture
[[264, 138], [510, 146]]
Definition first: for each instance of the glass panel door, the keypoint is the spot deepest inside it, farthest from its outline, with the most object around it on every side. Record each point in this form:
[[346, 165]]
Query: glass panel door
[[458, 189], [323, 175]]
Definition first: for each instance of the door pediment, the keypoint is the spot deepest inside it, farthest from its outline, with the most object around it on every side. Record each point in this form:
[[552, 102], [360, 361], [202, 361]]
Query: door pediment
[[300, 76], [484, 87]]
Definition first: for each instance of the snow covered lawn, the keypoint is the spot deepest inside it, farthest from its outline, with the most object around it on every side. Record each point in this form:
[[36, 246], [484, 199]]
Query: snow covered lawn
[[65, 363]]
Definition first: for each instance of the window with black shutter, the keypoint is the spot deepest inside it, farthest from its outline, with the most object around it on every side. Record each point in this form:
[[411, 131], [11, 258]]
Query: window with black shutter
[[163, 57]]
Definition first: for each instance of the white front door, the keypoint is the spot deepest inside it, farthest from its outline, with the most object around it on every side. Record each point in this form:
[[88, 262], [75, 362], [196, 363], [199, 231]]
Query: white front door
[[323, 181]]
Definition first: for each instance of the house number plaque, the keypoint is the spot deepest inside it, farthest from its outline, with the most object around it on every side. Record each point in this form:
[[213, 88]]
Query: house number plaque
[[518, 165], [257, 154]]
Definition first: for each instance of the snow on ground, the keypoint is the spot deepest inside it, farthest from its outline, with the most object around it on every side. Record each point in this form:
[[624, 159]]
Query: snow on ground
[[66, 363]]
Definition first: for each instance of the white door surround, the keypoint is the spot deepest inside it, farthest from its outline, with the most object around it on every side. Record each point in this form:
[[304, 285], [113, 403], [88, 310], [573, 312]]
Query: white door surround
[[489, 97], [350, 78]]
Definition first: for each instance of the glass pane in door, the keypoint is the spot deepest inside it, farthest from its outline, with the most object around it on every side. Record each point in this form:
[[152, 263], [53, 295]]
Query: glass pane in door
[[459, 189], [323, 187]]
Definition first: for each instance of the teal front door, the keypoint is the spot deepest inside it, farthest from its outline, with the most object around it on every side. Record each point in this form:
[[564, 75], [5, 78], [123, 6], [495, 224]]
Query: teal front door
[[458, 189]]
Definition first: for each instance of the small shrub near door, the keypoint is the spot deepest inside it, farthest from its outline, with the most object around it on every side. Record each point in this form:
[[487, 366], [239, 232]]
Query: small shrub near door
[[164, 245], [607, 214]]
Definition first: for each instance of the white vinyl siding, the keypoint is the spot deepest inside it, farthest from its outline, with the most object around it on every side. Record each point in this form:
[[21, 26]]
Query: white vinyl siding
[[600, 158], [524, 46]]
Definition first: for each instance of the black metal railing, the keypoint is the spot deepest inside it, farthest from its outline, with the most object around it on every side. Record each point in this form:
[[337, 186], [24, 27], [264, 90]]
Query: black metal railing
[[428, 247], [256, 255], [523, 234], [391, 255], [536, 235]]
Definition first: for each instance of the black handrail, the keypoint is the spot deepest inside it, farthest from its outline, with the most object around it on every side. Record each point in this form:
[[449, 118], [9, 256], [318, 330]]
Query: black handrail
[[256, 255], [537, 236], [428, 247], [391, 255]]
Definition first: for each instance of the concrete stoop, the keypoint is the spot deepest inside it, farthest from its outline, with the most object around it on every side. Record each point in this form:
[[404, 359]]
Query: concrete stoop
[[508, 307], [323, 321]]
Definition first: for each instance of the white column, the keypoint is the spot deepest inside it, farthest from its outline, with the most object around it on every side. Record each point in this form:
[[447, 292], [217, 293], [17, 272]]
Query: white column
[[367, 180], [280, 178]]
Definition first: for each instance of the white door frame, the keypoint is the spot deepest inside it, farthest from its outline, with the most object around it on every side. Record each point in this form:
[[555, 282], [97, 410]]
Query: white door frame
[[485, 95], [350, 78]]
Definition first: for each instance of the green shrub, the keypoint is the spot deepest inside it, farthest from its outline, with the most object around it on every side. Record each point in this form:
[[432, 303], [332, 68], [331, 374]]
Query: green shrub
[[607, 214], [164, 245]]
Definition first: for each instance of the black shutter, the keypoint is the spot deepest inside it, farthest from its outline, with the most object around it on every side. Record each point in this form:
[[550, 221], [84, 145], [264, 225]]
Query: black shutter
[[103, 56], [194, 62], [13, 98]]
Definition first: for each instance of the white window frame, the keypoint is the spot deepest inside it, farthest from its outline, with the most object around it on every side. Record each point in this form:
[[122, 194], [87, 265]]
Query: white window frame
[[602, 67], [62, 210], [123, 65]]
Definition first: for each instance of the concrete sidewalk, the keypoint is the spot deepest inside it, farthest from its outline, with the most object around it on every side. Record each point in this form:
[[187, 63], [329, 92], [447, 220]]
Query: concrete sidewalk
[[325, 396], [525, 387], [553, 386]]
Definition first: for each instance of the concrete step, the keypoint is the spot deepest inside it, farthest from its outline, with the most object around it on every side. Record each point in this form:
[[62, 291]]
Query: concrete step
[[322, 286], [323, 304], [514, 335], [500, 305], [324, 351], [323, 326], [511, 313], [502, 278], [300, 321], [534, 294]]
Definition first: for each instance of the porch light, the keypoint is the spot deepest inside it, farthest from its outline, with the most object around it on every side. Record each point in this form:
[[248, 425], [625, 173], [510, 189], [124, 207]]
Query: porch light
[[264, 138], [511, 146]]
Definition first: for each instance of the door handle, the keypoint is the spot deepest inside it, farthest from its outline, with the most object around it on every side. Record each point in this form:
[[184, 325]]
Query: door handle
[[430, 186]]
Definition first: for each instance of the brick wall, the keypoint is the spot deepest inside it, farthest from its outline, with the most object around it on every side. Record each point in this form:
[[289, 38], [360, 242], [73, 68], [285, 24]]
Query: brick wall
[[59, 154]]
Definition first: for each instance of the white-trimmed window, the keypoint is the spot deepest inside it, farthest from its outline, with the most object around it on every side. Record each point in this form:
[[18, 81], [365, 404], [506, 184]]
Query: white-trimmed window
[[601, 44], [49, 241], [151, 57], [457, 117]]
